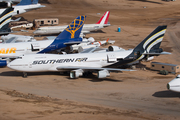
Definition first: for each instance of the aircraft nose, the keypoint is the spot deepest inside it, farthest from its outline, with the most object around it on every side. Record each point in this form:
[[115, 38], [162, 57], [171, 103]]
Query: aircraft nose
[[174, 85], [9, 65]]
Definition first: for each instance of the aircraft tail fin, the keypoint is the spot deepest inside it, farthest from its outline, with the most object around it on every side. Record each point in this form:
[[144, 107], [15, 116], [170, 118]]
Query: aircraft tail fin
[[150, 46], [5, 18], [28, 2], [70, 35], [73, 30], [104, 18]]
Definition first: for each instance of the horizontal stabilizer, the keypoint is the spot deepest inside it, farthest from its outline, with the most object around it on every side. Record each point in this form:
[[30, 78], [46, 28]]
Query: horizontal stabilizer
[[162, 53], [72, 43]]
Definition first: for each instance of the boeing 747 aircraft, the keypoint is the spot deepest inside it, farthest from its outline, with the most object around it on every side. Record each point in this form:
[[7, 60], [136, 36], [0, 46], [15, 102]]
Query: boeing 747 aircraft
[[103, 22], [68, 37], [100, 62], [25, 6]]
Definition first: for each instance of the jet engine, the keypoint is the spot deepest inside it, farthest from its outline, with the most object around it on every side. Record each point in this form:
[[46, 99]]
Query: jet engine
[[115, 48], [103, 74], [91, 39], [76, 73], [3, 63]]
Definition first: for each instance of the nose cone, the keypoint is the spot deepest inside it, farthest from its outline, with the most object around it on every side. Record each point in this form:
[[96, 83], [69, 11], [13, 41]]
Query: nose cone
[[174, 85]]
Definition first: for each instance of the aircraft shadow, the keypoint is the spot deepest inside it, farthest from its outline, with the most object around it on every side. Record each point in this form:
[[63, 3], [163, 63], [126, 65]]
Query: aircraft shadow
[[17, 74], [97, 31], [93, 78], [148, 1], [105, 79], [166, 94]]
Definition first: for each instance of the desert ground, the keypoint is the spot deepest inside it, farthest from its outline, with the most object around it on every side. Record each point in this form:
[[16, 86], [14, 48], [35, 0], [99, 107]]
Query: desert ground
[[136, 95]]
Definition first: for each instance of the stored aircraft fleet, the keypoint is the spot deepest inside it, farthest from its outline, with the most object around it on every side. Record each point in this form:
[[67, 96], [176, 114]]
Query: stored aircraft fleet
[[39, 56]]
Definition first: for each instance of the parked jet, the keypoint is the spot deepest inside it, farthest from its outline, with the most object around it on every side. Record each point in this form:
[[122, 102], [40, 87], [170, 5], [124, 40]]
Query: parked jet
[[88, 43], [68, 37], [11, 38], [101, 62], [103, 22], [5, 19], [25, 6], [174, 85]]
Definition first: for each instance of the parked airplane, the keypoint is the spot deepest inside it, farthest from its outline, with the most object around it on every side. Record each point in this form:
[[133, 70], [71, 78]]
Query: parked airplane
[[103, 22], [25, 6], [88, 43], [11, 38], [68, 37], [101, 62], [5, 19], [174, 85]]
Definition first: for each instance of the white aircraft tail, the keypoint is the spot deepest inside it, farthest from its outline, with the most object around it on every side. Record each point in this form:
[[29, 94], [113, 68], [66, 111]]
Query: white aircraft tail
[[104, 19]]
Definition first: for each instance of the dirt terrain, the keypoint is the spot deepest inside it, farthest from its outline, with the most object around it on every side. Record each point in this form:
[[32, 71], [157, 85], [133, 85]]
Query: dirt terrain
[[137, 95]]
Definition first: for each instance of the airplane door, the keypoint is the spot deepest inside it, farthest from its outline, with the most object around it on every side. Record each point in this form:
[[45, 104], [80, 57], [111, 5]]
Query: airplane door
[[111, 58], [17, 11]]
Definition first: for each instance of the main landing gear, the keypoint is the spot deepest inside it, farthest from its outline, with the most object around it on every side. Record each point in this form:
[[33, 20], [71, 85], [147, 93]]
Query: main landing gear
[[24, 75]]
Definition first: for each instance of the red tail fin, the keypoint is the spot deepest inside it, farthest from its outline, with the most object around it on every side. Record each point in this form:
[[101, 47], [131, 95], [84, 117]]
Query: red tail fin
[[104, 18]]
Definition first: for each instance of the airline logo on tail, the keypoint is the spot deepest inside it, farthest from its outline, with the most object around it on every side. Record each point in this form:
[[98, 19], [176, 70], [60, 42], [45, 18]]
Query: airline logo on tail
[[5, 18], [154, 39], [75, 25], [104, 18]]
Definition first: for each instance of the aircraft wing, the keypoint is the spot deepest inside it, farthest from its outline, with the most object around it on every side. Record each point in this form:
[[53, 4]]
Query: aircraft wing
[[72, 43], [91, 68]]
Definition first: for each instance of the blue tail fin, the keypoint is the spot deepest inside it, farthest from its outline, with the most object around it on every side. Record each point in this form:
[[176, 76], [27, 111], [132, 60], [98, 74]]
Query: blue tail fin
[[27, 2], [5, 18], [73, 30], [68, 37]]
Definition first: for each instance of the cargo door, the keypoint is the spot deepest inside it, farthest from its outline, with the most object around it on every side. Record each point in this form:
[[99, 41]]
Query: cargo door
[[35, 47], [111, 58]]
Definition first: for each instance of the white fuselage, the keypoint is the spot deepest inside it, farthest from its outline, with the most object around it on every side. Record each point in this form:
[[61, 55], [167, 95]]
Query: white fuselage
[[87, 28], [12, 50], [19, 9], [50, 62]]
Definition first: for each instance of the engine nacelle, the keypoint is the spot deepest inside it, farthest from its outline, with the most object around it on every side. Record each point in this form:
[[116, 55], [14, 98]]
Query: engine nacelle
[[3, 63], [91, 39], [115, 48], [103, 74], [76, 73]]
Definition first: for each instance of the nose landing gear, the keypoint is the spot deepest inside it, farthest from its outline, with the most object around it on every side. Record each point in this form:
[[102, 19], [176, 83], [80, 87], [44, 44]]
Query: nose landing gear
[[24, 75]]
